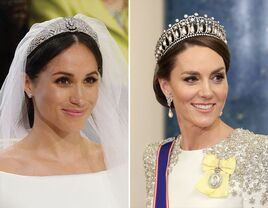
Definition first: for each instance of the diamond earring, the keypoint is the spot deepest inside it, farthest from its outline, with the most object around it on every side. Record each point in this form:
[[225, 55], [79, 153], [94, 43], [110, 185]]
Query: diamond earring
[[169, 101], [221, 113], [29, 95]]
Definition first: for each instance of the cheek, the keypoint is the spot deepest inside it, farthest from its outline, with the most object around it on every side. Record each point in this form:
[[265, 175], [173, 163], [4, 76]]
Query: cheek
[[222, 92], [91, 94], [182, 93], [48, 96]]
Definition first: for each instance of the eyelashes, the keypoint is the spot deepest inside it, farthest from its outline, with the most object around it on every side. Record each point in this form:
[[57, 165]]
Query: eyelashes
[[218, 77], [90, 80], [66, 81], [190, 79], [63, 81]]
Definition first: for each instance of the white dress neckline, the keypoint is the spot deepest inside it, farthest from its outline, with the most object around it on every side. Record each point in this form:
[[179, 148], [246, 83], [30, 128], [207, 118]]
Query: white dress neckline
[[68, 191]]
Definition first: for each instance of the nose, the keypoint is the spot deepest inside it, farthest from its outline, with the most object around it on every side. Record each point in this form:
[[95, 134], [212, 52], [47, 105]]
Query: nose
[[77, 96], [206, 90]]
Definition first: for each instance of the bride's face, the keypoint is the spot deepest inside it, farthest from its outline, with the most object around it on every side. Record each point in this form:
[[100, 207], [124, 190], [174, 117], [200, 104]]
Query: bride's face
[[66, 91], [198, 85]]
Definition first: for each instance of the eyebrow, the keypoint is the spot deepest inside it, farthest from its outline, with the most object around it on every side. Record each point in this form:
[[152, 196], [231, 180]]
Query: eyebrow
[[71, 75], [197, 73]]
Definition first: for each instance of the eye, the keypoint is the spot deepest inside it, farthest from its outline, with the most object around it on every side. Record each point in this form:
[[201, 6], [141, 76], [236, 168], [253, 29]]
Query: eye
[[90, 80], [190, 79], [63, 81], [218, 77]]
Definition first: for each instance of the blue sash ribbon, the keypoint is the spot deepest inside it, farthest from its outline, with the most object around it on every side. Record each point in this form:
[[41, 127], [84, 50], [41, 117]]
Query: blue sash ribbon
[[161, 185]]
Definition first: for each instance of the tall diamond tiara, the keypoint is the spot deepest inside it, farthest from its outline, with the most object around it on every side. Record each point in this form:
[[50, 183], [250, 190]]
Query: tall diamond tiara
[[189, 26], [66, 24]]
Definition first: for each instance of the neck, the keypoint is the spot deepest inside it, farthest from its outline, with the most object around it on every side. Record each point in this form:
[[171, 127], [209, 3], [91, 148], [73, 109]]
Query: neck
[[194, 137], [53, 143]]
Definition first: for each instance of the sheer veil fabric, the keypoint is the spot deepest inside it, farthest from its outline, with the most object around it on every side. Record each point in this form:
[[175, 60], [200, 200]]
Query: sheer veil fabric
[[109, 120]]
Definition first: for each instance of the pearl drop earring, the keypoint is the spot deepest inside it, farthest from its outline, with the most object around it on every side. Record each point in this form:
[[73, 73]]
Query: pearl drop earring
[[169, 101]]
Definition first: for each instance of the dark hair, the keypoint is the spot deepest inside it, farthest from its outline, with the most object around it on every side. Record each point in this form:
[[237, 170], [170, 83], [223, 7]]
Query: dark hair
[[45, 52], [167, 62]]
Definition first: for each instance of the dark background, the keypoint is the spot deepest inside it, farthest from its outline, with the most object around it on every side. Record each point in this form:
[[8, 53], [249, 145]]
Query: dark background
[[246, 23]]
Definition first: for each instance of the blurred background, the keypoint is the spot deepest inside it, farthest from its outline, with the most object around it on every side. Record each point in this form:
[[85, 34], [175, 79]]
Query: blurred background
[[147, 116], [17, 16], [246, 23]]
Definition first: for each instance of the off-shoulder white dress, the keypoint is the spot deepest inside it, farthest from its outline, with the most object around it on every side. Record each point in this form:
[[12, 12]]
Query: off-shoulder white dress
[[64, 191]]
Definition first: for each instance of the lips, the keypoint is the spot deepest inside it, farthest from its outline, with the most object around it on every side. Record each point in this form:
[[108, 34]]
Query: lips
[[204, 107], [74, 112]]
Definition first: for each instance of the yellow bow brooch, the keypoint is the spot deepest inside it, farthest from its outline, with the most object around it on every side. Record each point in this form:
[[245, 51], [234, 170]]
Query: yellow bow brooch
[[215, 181]]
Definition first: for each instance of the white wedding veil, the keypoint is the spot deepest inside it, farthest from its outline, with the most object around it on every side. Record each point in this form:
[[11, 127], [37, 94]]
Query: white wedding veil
[[109, 120]]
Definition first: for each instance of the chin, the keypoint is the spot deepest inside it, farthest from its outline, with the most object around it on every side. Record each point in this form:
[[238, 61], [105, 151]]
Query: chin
[[204, 122], [71, 126]]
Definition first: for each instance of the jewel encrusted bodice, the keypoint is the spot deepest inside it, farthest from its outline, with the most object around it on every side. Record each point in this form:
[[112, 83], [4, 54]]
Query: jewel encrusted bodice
[[250, 178]]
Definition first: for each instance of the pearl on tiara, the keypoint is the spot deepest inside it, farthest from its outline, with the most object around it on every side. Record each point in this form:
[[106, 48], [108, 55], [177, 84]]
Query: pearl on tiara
[[189, 26]]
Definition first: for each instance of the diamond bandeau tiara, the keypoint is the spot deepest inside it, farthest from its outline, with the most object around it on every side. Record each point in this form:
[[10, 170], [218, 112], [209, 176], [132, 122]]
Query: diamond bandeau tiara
[[66, 24], [189, 26]]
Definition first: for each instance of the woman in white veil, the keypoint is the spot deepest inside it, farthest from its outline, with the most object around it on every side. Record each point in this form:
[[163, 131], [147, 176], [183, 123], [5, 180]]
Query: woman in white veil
[[108, 123]]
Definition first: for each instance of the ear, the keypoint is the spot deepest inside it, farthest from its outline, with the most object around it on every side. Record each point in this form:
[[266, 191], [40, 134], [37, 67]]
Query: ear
[[28, 86], [165, 86]]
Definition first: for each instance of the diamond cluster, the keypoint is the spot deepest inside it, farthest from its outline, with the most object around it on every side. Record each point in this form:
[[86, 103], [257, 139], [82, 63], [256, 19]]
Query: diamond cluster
[[63, 25], [189, 26], [250, 179]]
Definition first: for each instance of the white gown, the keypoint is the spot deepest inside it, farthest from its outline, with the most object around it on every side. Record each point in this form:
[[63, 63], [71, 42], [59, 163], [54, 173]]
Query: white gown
[[247, 185], [66, 191], [182, 180]]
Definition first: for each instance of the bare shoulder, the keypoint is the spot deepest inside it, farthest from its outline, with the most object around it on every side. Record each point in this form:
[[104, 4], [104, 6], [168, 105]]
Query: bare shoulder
[[11, 159], [95, 150], [94, 147]]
